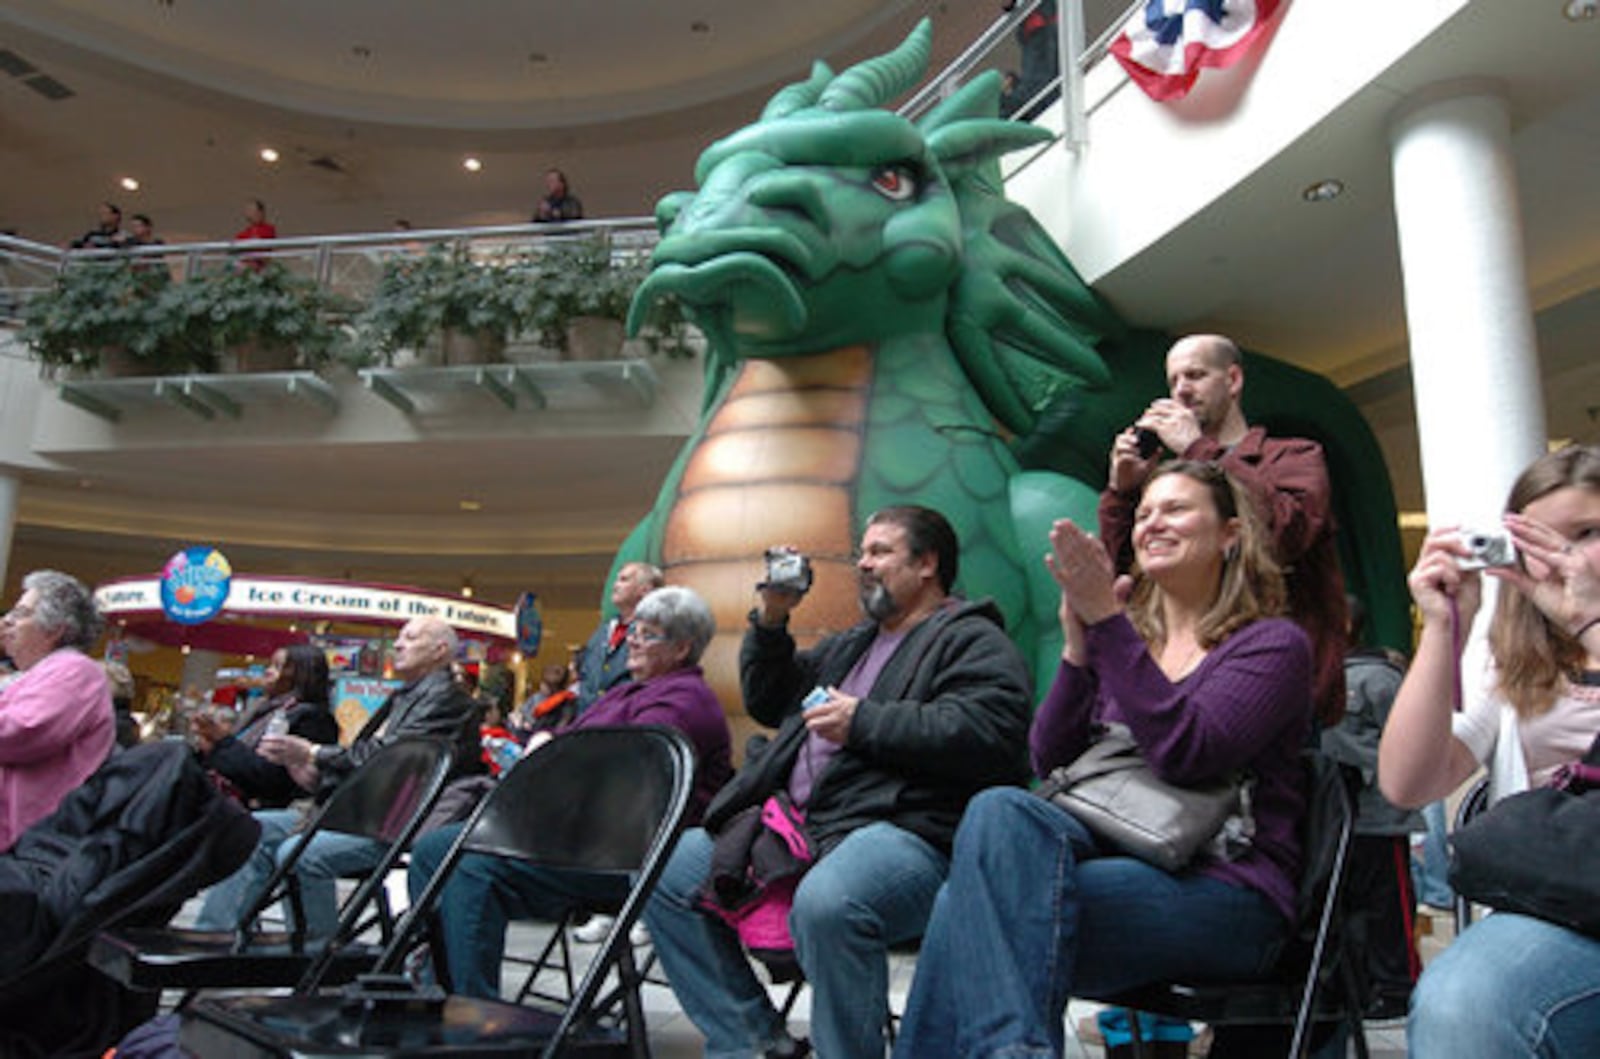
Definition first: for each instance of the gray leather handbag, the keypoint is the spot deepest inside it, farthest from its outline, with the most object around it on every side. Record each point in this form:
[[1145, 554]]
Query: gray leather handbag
[[1114, 793]]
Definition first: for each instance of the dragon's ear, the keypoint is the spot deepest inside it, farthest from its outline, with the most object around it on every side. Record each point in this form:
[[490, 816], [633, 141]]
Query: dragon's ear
[[965, 131], [967, 145]]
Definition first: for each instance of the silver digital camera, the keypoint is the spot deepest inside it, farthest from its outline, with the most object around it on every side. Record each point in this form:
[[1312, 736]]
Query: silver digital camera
[[1488, 548], [787, 571]]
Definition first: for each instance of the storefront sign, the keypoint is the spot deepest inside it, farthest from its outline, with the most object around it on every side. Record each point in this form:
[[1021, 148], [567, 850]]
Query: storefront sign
[[312, 600]]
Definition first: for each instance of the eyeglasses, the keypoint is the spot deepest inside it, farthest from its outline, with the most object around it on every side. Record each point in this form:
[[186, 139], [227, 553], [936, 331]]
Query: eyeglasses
[[638, 635]]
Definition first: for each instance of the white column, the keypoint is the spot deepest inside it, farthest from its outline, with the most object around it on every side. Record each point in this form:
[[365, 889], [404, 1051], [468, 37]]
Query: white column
[[8, 520], [1480, 413]]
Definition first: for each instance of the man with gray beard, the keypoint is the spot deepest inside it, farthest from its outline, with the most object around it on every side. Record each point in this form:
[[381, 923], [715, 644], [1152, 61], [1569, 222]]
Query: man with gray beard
[[884, 733]]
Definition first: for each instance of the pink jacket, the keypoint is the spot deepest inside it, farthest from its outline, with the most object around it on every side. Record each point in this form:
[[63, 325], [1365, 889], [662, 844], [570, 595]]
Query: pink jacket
[[56, 727]]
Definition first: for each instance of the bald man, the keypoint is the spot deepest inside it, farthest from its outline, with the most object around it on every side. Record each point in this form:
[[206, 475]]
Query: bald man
[[1201, 419], [430, 703]]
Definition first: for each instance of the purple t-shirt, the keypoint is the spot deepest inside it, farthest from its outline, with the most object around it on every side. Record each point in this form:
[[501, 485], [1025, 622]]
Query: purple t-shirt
[[816, 752]]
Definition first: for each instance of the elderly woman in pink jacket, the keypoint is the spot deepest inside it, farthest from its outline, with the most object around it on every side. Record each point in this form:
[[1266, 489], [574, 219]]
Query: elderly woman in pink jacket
[[56, 721]]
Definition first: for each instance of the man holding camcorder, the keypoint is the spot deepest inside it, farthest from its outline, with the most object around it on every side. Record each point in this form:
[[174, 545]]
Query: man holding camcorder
[[884, 733], [1201, 419]]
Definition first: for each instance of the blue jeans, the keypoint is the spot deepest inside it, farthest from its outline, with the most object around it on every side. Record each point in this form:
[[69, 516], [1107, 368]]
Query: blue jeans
[[1032, 914], [1510, 985], [330, 856], [1430, 875], [485, 893], [875, 889]]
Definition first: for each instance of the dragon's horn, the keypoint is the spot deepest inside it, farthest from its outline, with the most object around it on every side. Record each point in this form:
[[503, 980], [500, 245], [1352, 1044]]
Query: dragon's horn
[[874, 82], [799, 95]]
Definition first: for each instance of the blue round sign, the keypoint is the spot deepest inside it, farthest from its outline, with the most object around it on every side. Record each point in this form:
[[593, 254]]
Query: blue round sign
[[194, 585], [530, 626]]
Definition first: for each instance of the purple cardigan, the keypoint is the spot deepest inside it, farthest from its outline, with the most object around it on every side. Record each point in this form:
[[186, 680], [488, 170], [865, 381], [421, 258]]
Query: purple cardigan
[[1246, 705], [683, 700]]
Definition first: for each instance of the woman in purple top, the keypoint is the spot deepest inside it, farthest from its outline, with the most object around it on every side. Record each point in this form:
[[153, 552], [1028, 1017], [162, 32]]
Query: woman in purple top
[[669, 632], [1209, 681]]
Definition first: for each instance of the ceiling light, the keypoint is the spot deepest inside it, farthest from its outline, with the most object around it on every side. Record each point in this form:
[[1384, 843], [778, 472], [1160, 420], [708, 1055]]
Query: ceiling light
[[1581, 10], [471, 505], [129, 184], [1323, 191], [466, 589], [269, 155], [471, 164]]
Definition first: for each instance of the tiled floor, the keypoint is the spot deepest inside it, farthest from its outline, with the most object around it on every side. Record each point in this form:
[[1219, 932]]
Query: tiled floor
[[672, 1036]]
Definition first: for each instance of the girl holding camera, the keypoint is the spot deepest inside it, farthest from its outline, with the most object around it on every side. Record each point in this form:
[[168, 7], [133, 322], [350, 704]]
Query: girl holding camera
[[1511, 985]]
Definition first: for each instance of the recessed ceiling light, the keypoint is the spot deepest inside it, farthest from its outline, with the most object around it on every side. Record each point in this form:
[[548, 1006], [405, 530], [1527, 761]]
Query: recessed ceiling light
[[1323, 191], [471, 165], [1581, 10], [471, 505], [129, 184], [269, 155]]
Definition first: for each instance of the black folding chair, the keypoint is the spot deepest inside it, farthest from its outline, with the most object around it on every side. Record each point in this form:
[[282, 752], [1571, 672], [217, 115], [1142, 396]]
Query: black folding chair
[[385, 800], [601, 800], [1474, 802], [147, 831], [1315, 980]]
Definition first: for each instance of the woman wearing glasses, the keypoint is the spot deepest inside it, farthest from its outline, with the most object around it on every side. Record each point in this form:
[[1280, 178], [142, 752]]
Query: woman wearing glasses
[[669, 632], [56, 720]]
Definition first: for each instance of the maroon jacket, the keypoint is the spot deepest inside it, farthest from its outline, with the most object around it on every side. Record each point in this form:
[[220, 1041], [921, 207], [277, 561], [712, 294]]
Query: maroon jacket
[[1288, 480]]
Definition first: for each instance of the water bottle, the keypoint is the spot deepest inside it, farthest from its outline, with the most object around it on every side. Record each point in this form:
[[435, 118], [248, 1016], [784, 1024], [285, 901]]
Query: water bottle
[[278, 724]]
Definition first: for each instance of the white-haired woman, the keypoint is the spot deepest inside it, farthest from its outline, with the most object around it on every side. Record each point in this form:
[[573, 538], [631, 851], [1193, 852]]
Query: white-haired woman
[[56, 720], [670, 630]]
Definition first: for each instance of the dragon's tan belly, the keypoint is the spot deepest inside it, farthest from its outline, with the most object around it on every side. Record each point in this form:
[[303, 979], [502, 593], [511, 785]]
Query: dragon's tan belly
[[777, 464]]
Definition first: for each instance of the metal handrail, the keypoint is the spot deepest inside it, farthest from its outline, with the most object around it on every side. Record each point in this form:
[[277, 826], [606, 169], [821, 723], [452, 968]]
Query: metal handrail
[[27, 267]]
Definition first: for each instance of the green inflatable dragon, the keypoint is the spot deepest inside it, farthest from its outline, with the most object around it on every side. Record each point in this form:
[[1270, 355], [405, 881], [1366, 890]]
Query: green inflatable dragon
[[884, 327]]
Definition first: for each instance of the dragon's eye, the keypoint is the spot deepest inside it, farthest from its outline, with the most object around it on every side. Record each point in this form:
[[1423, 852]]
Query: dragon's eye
[[896, 182]]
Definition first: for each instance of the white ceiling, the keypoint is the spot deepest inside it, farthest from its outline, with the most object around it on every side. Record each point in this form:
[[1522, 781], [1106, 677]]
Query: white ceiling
[[182, 94]]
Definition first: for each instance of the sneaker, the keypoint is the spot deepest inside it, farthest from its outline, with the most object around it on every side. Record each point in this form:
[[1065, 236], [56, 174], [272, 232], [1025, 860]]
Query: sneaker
[[637, 934], [594, 931], [791, 1048]]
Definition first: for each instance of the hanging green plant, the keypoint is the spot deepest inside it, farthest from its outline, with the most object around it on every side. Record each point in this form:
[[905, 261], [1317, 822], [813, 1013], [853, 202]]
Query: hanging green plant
[[106, 315]]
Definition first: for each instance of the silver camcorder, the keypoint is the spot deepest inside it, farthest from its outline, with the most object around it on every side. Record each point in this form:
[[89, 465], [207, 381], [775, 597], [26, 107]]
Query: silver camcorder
[[1488, 548], [787, 571]]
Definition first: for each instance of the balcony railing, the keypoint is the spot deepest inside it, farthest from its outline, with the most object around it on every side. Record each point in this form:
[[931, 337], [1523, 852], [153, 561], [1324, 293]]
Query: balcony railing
[[351, 264]]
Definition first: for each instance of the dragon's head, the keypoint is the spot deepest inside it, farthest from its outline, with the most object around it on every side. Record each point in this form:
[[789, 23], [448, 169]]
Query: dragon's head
[[832, 221]]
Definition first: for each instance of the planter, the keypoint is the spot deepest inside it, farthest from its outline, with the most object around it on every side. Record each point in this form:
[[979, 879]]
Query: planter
[[116, 362], [594, 338], [255, 357], [472, 347]]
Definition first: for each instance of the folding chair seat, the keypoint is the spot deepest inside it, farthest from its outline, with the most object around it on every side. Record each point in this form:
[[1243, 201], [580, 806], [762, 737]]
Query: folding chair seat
[[387, 800], [606, 801], [1316, 979]]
